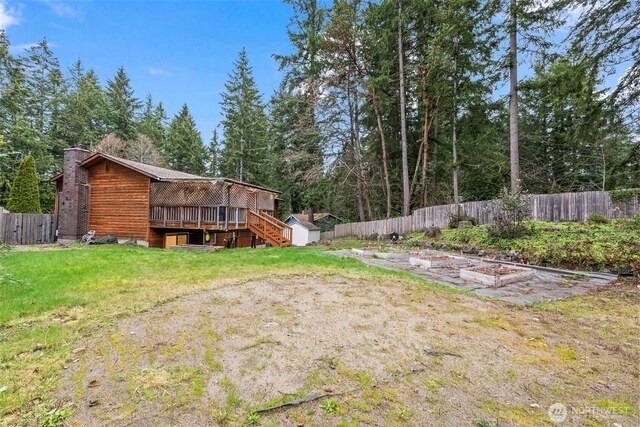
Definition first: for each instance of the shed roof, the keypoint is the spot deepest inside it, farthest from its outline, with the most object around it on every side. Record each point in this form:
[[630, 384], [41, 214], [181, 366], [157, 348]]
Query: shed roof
[[159, 173], [316, 216], [308, 225]]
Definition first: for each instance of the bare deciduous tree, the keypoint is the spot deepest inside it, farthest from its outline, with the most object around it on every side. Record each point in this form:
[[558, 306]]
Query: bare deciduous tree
[[144, 150], [111, 145]]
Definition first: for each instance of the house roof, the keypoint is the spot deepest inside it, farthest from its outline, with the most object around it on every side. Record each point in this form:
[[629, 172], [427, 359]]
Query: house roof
[[155, 172], [158, 173], [308, 225]]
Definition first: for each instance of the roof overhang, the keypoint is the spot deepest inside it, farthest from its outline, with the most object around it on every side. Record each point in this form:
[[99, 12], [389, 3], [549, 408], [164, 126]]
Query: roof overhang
[[97, 157]]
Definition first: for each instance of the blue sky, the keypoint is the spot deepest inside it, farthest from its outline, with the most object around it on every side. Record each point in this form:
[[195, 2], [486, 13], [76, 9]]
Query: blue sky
[[177, 51]]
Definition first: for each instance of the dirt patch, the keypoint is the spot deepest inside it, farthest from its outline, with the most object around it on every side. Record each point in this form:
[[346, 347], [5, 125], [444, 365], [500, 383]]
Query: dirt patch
[[218, 356]]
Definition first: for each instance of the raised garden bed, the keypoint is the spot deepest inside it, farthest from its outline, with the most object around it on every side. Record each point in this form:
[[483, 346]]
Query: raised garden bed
[[386, 255], [437, 261], [363, 252], [496, 275]]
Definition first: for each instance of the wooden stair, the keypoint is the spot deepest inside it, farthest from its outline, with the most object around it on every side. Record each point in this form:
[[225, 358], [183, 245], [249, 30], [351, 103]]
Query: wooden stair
[[269, 228]]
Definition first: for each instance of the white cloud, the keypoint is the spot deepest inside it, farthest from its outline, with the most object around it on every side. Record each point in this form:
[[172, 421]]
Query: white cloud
[[21, 47], [63, 9], [9, 15], [154, 71]]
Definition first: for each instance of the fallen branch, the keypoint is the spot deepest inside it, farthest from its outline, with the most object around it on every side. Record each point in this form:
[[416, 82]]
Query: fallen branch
[[309, 398], [434, 352]]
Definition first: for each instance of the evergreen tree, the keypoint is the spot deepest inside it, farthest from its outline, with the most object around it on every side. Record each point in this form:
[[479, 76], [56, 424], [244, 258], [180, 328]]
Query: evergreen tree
[[213, 156], [33, 102], [25, 196], [282, 120], [123, 106], [305, 70], [245, 155], [85, 110], [575, 138], [185, 150], [607, 34], [152, 122]]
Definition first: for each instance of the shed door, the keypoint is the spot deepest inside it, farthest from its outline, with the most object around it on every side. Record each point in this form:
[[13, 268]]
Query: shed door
[[175, 239]]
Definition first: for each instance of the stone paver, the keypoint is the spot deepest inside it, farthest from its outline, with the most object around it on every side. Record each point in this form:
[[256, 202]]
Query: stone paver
[[543, 286]]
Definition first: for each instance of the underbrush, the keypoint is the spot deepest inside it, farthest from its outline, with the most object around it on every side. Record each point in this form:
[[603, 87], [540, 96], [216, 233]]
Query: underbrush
[[592, 246]]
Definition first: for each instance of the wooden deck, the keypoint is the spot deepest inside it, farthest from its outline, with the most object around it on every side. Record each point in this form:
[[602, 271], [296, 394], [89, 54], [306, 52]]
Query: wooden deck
[[219, 218]]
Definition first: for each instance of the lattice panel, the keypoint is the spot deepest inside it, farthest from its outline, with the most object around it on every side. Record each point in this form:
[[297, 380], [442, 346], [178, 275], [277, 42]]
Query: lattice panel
[[238, 197], [200, 193], [266, 201]]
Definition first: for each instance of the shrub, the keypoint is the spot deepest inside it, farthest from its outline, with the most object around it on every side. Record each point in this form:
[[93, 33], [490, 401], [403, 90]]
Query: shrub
[[623, 194], [509, 214], [372, 236], [597, 218], [485, 422], [107, 240], [463, 216], [24, 196], [130, 242]]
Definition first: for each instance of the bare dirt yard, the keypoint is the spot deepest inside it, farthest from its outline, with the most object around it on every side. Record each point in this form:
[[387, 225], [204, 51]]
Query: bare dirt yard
[[386, 350]]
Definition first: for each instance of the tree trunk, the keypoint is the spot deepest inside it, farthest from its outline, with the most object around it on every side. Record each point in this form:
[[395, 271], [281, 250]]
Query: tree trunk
[[403, 120], [454, 123], [352, 96], [425, 146], [376, 109], [362, 169], [513, 97], [383, 142]]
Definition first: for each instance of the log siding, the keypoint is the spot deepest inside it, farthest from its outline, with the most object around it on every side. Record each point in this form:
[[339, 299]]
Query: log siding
[[119, 201]]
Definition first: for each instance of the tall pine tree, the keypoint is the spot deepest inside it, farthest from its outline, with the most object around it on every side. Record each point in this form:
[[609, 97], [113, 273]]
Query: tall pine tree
[[85, 111], [152, 122], [123, 106], [184, 150], [246, 154]]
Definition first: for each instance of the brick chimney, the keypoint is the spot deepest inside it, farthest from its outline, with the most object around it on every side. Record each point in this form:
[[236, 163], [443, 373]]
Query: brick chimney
[[73, 202], [310, 215]]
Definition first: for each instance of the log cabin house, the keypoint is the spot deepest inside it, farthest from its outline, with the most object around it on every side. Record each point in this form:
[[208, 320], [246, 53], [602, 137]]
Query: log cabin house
[[160, 207]]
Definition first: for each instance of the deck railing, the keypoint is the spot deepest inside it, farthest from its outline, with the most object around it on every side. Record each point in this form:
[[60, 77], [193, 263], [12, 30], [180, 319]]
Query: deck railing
[[269, 228], [287, 231], [221, 216]]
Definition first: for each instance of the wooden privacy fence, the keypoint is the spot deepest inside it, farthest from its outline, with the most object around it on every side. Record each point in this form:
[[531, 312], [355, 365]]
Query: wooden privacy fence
[[27, 229], [544, 207]]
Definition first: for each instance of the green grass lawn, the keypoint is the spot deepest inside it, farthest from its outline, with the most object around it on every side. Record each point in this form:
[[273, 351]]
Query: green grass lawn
[[575, 245], [51, 299], [55, 302], [42, 281]]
